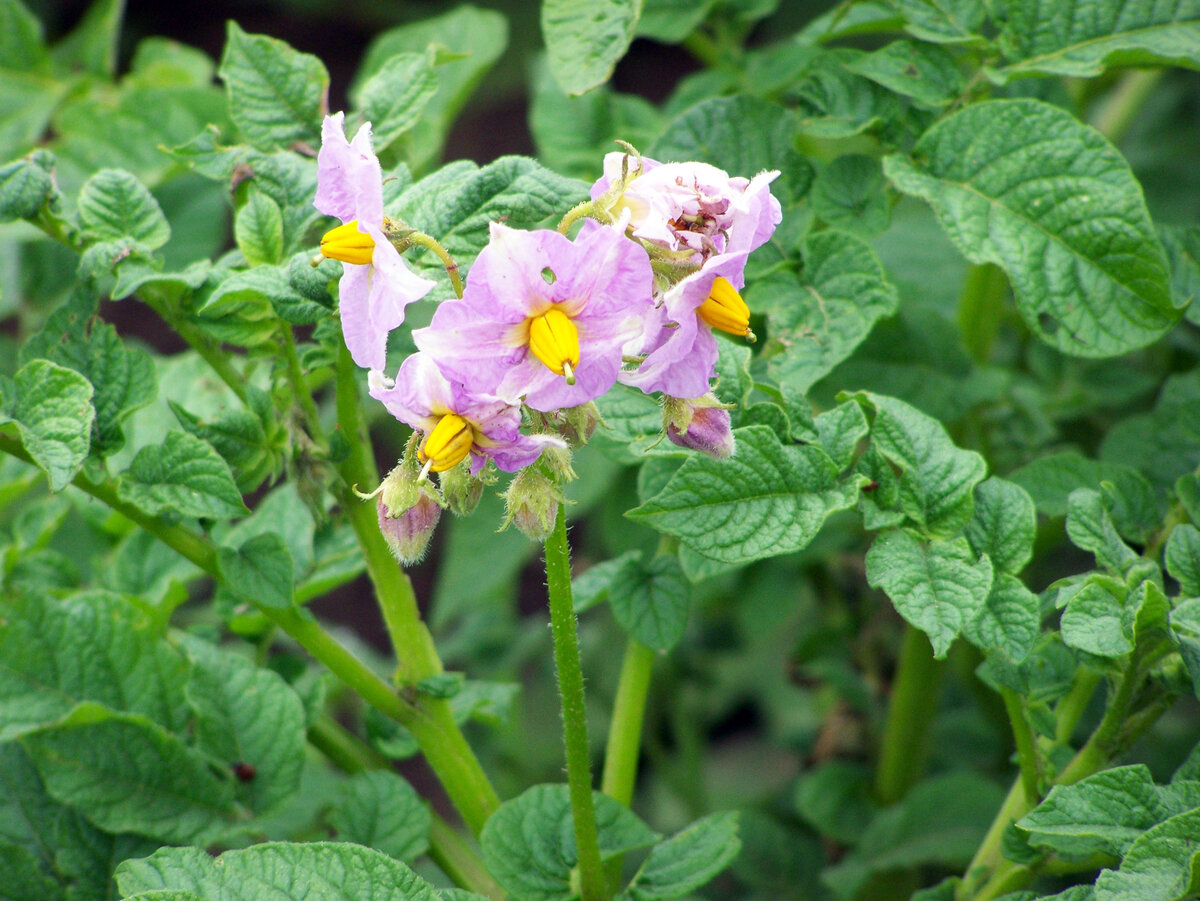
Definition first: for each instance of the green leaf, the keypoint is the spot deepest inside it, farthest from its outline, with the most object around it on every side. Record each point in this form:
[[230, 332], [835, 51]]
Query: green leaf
[[114, 205], [238, 436], [25, 187], [937, 479], [24, 879], [742, 135], [1182, 244], [942, 21], [330, 871], [1185, 632], [927, 73], [1010, 182], [670, 21], [382, 811], [183, 476], [591, 586], [1081, 38], [1163, 864], [458, 203], [93, 647], [1010, 620], [1104, 813], [469, 41], [51, 407], [275, 92], [651, 601], [840, 429], [849, 193], [941, 821], [1183, 558], [1163, 444], [1004, 524], [394, 98], [584, 39], [127, 774], [529, 843], [260, 572], [1090, 528], [766, 499], [123, 377], [938, 587], [1050, 480], [258, 230], [245, 714], [688, 859], [835, 797], [835, 103], [92, 46], [21, 41], [817, 319], [1096, 619]]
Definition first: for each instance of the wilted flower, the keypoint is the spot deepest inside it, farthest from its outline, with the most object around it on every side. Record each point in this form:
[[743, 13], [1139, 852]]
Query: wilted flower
[[376, 284], [682, 356], [542, 317], [456, 422], [690, 206]]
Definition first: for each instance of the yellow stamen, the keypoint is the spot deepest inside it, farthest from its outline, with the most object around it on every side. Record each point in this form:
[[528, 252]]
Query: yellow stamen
[[554, 340], [448, 444], [724, 309], [348, 244]]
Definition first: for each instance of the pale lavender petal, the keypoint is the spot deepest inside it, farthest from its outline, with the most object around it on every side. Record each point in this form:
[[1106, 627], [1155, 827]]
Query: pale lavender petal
[[393, 285], [368, 177], [349, 180], [420, 396], [522, 452], [354, 307], [755, 215]]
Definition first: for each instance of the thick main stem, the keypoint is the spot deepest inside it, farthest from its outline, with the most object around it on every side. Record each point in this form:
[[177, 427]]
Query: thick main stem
[[911, 709], [574, 711]]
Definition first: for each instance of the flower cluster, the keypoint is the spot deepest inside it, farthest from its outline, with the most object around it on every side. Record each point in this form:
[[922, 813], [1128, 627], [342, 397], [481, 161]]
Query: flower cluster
[[545, 323]]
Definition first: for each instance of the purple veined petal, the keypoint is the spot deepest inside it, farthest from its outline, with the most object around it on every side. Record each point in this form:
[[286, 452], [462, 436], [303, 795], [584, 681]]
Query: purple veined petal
[[393, 285], [507, 278], [349, 179], [365, 344], [367, 177], [522, 452], [478, 353], [755, 215], [419, 396]]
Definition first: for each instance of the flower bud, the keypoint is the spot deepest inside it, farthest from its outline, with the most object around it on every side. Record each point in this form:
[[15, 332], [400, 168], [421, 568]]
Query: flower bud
[[409, 510], [461, 490], [700, 424], [531, 503]]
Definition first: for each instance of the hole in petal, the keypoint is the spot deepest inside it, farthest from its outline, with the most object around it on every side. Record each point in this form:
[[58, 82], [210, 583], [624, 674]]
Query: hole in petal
[[548, 276]]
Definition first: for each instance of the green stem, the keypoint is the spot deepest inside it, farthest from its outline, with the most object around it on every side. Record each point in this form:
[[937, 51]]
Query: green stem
[[456, 858], [1069, 711], [404, 237], [981, 310], [625, 733], [209, 350], [574, 712], [911, 710], [1116, 112], [1027, 752], [299, 388]]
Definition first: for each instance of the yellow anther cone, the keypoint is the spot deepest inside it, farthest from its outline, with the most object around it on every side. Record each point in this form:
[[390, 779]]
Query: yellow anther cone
[[554, 340], [724, 309], [448, 444], [348, 244]]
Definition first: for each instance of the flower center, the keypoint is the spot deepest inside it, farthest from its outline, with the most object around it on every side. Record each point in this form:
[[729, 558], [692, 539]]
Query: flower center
[[348, 244], [554, 340], [448, 444], [724, 309]]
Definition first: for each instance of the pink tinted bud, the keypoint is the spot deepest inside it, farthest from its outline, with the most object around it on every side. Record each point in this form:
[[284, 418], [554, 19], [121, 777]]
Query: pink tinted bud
[[701, 424], [408, 532]]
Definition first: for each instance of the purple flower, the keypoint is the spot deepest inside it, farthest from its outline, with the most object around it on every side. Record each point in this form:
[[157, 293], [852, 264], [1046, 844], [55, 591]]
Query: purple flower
[[376, 284], [543, 317], [457, 423], [701, 424], [682, 356], [693, 206]]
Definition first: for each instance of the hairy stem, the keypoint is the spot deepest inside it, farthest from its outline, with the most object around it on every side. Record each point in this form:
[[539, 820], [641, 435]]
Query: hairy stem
[[574, 712], [1027, 752], [911, 709], [296, 379], [208, 349]]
